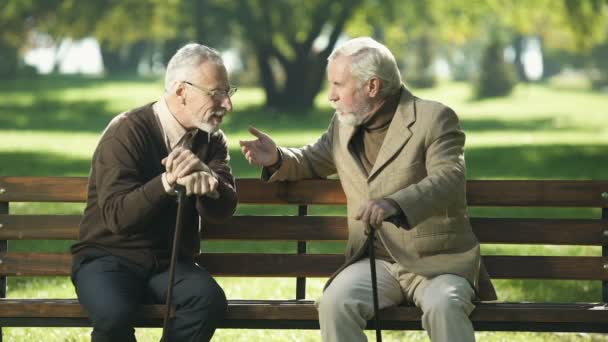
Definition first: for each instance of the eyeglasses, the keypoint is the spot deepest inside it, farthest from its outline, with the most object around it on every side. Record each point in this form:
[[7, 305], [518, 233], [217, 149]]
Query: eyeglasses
[[215, 93]]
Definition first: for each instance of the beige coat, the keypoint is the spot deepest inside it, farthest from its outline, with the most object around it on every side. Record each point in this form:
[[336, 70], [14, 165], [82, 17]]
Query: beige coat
[[421, 167]]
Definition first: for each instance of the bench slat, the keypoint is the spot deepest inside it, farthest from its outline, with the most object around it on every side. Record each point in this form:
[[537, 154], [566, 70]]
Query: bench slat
[[327, 228], [254, 191], [541, 231], [43, 189], [59, 308], [322, 265], [546, 193], [39, 227], [488, 230], [546, 267], [277, 310]]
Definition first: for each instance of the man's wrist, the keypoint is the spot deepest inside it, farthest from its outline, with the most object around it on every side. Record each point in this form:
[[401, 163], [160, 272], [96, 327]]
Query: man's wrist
[[399, 218], [279, 161]]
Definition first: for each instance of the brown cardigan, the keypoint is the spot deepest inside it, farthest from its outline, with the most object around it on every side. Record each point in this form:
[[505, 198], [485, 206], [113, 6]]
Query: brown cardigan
[[128, 212]]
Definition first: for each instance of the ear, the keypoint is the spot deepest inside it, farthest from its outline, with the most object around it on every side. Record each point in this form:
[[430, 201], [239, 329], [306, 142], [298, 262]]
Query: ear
[[178, 89], [373, 86]]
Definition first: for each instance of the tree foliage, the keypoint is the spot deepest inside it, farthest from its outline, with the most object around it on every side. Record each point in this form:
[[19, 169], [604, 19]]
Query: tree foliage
[[289, 40]]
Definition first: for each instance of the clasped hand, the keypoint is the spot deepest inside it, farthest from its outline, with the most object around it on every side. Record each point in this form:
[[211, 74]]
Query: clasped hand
[[374, 212], [185, 168]]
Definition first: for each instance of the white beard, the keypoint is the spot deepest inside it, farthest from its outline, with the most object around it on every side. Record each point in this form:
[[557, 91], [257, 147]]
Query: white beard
[[349, 119], [354, 118], [208, 128]]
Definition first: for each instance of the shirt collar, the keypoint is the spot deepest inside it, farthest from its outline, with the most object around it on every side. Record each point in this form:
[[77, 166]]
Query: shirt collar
[[174, 133]]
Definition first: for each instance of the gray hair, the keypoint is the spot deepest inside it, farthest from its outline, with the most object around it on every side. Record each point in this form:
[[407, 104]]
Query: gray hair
[[371, 59], [186, 59]]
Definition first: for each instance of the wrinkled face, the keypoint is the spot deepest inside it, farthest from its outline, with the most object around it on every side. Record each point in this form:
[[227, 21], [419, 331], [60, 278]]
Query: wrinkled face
[[207, 99], [346, 96]]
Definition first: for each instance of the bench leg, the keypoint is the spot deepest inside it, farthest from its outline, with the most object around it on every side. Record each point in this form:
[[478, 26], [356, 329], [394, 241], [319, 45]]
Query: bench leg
[[3, 249]]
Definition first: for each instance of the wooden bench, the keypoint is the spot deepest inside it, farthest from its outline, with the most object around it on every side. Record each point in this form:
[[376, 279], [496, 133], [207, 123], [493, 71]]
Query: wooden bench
[[299, 312]]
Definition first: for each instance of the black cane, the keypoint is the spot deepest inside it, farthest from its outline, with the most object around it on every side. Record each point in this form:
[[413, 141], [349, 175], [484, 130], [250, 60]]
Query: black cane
[[372, 263], [180, 190]]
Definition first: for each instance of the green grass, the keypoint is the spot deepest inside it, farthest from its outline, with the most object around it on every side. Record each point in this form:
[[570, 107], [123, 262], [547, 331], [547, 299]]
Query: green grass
[[50, 126]]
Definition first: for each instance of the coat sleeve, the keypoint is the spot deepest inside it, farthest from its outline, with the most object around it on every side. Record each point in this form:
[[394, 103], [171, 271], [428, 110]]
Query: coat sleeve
[[312, 161], [446, 172]]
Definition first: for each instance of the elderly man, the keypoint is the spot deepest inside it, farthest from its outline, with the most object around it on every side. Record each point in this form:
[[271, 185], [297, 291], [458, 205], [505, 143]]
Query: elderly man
[[400, 160], [127, 229]]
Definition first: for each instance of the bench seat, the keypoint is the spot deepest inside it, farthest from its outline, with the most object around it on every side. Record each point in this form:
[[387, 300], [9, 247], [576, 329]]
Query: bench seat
[[301, 314], [298, 230]]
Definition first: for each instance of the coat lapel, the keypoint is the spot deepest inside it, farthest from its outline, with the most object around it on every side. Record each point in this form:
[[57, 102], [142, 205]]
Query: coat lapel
[[346, 134], [398, 132]]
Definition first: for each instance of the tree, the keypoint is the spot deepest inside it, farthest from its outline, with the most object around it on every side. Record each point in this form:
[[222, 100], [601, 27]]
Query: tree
[[17, 20], [284, 36], [572, 25], [125, 29], [417, 32], [291, 39], [496, 77]]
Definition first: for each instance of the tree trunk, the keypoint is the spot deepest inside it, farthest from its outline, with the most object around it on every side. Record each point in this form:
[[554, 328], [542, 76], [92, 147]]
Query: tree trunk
[[303, 81], [304, 71], [10, 61], [267, 78], [170, 47], [518, 47], [124, 60]]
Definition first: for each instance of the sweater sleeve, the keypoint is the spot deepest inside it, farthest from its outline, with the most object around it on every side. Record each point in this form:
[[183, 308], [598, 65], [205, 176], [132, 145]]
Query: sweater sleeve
[[221, 208], [126, 200]]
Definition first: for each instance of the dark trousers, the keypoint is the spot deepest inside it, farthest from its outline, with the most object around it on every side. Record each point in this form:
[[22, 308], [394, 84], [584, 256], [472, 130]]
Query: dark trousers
[[112, 289]]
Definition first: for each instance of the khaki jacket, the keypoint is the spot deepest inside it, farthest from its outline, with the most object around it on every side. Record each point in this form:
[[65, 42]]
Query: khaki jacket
[[421, 167]]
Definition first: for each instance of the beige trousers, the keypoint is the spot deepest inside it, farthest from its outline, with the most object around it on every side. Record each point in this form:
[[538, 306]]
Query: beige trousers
[[347, 304]]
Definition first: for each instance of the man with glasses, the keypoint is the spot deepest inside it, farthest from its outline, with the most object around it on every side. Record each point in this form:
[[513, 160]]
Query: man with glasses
[[121, 258]]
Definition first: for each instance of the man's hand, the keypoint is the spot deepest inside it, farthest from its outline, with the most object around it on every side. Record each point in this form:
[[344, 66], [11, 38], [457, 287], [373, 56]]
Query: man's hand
[[181, 162], [199, 183], [262, 151], [374, 212]]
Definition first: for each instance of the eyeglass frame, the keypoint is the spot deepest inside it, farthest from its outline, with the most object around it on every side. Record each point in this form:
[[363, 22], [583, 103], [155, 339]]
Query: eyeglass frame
[[215, 93]]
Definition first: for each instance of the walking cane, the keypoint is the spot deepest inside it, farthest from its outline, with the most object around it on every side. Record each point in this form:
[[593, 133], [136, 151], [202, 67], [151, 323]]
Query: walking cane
[[180, 190], [372, 263]]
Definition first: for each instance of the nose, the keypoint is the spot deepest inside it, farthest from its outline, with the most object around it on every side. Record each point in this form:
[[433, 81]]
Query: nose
[[227, 103], [332, 95]]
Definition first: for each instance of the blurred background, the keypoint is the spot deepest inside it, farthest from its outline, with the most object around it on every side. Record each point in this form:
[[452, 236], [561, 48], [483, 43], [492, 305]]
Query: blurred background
[[529, 80], [282, 46]]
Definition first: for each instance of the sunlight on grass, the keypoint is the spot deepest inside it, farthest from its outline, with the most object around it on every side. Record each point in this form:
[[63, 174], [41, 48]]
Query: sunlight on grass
[[51, 127], [252, 335]]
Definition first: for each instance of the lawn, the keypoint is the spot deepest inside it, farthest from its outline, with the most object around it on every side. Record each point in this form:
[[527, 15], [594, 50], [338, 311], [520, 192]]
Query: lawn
[[50, 126]]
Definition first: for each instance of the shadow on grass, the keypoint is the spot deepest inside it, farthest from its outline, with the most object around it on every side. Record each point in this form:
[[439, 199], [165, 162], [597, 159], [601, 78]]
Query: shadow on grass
[[42, 164], [54, 82], [537, 162], [48, 114]]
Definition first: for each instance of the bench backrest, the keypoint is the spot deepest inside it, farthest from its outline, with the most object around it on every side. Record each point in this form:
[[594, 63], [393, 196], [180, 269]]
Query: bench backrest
[[302, 229]]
